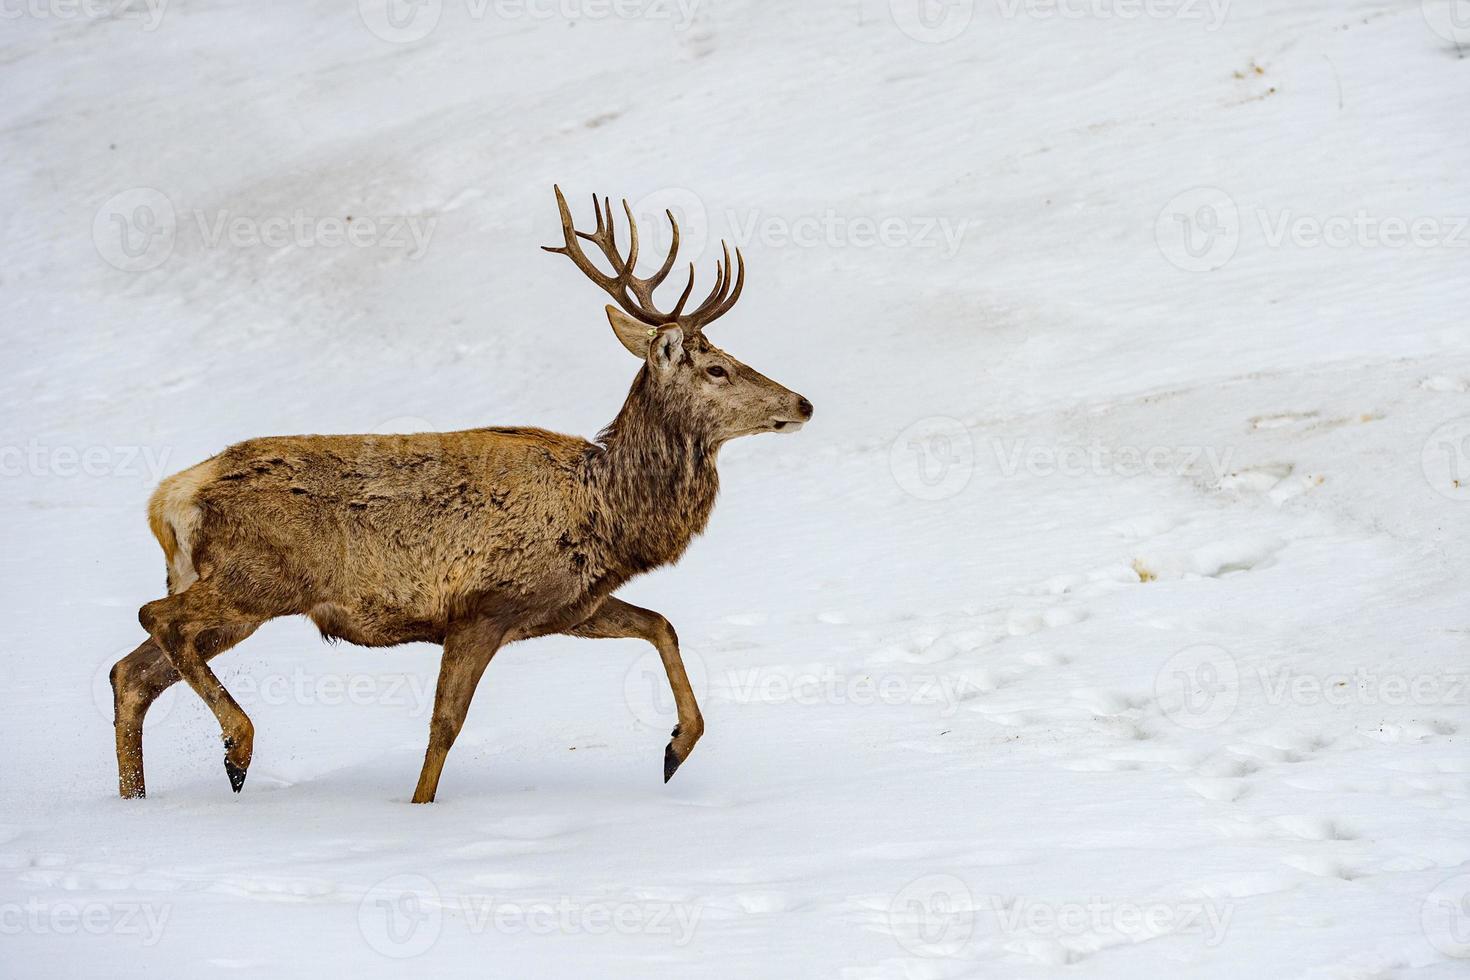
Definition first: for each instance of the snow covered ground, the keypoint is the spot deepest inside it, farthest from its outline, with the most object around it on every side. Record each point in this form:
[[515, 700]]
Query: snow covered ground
[[1109, 619]]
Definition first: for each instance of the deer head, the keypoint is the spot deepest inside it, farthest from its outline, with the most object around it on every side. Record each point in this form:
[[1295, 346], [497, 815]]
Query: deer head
[[695, 382]]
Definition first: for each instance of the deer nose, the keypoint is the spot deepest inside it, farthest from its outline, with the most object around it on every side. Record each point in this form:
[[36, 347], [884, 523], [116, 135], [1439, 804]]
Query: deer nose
[[805, 408]]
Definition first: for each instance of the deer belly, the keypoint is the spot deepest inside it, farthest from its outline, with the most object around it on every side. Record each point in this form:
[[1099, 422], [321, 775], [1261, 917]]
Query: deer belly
[[375, 626]]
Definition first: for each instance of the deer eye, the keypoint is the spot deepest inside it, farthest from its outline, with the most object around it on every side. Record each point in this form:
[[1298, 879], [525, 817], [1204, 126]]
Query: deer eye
[[715, 371]]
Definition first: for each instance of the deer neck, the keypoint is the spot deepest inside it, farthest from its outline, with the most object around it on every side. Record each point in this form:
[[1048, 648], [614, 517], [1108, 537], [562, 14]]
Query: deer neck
[[653, 479]]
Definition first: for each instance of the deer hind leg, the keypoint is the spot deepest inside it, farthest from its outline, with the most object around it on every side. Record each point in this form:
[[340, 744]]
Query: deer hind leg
[[467, 651], [192, 627], [137, 681], [618, 619]]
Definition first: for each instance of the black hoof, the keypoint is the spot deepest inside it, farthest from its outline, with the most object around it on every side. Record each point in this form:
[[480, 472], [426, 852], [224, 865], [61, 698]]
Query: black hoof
[[236, 774], [671, 762]]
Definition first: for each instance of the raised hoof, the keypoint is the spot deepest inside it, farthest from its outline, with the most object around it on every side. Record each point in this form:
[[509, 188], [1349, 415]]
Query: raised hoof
[[672, 761], [236, 774], [235, 770]]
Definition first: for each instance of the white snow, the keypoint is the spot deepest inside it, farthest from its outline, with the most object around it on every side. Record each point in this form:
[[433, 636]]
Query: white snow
[[1108, 620]]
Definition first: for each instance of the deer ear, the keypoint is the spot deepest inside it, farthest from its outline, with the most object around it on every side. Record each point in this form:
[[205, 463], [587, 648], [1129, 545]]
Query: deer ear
[[632, 334], [667, 349]]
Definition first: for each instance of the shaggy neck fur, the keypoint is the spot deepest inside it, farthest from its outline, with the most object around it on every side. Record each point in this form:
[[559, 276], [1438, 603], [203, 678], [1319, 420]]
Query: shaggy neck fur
[[653, 477]]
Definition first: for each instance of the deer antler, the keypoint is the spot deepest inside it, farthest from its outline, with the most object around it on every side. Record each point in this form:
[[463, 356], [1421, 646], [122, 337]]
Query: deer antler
[[634, 293]]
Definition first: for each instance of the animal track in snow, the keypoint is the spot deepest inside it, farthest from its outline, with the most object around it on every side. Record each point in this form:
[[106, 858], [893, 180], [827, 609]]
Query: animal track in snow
[[1214, 560], [1410, 731], [1276, 481], [1323, 866], [1292, 827], [1283, 420], [1300, 422], [1227, 765], [1220, 790]]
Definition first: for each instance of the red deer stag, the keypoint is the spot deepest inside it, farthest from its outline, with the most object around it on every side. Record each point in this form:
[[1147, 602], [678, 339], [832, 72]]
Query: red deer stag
[[470, 539]]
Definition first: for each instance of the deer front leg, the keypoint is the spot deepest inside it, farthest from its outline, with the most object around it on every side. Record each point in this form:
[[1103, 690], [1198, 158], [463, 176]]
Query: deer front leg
[[467, 650], [618, 619]]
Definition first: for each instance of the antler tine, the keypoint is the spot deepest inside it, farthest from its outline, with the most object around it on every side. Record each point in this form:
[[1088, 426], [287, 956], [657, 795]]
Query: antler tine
[[663, 270], [684, 296], [724, 307], [632, 262], [701, 314], [610, 243]]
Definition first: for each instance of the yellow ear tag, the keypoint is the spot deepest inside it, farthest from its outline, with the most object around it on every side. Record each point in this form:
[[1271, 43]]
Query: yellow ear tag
[[652, 332]]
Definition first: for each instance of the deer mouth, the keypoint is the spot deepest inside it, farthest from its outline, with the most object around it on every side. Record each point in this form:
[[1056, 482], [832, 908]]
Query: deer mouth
[[786, 425]]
